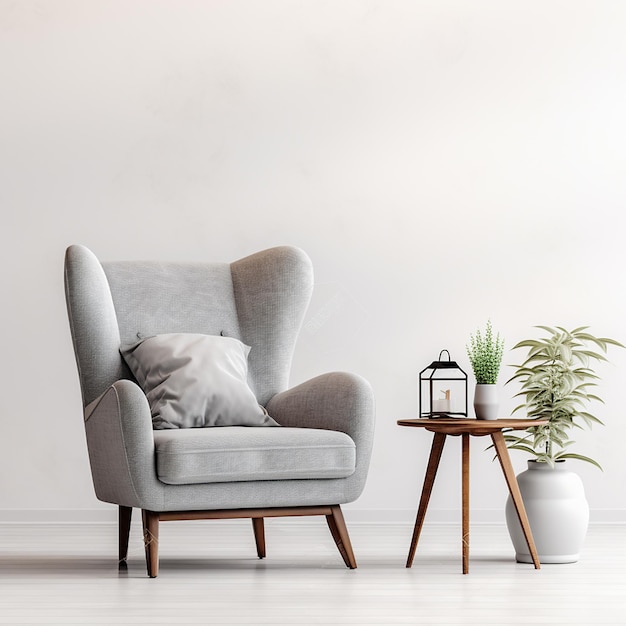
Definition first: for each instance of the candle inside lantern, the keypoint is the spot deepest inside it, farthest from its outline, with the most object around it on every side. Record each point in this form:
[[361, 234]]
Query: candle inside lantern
[[442, 405]]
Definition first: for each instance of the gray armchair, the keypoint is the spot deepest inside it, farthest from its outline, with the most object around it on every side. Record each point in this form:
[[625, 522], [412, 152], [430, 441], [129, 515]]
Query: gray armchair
[[315, 461]]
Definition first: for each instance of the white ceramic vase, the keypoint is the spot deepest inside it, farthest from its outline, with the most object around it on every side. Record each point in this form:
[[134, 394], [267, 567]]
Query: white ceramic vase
[[558, 513], [486, 402]]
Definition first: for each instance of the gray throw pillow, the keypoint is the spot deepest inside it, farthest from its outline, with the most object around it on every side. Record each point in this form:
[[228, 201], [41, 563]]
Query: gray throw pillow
[[195, 381]]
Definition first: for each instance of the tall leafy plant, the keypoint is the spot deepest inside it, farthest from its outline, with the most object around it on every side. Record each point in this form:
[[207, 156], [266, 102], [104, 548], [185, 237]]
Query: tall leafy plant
[[557, 383], [485, 354]]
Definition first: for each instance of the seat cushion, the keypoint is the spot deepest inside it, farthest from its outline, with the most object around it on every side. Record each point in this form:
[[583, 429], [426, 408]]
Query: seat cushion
[[238, 453]]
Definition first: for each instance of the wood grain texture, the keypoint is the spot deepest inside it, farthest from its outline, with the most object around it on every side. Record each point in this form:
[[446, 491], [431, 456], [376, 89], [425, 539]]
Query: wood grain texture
[[465, 495], [125, 514], [151, 520], [467, 428], [477, 428], [429, 480], [511, 481], [258, 525], [339, 532]]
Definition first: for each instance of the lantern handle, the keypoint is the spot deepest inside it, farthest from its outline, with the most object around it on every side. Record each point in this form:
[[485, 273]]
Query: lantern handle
[[449, 359]]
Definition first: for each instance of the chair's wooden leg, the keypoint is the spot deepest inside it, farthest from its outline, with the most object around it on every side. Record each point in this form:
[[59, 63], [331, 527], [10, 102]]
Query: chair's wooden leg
[[338, 530], [509, 474], [259, 535], [124, 518], [429, 480], [151, 541]]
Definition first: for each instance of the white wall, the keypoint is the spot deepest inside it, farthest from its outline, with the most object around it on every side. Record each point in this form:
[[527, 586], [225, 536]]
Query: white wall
[[442, 162]]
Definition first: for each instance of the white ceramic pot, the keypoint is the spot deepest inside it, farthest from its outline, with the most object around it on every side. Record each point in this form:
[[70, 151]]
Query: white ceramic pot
[[486, 402], [558, 512]]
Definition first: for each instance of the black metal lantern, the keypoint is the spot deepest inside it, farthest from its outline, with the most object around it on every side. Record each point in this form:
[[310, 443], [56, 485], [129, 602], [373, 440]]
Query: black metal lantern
[[443, 389]]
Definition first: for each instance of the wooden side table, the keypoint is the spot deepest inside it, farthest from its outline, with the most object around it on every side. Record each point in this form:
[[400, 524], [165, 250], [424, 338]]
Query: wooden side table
[[442, 427]]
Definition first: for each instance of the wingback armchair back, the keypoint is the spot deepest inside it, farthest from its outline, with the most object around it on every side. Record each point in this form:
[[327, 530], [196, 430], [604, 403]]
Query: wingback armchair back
[[260, 300]]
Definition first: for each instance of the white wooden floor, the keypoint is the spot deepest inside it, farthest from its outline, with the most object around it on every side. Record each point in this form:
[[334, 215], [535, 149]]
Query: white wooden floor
[[67, 574]]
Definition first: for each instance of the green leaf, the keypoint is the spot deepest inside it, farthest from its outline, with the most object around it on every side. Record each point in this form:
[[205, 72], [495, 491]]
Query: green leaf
[[555, 382], [526, 446], [612, 342], [576, 331], [579, 457]]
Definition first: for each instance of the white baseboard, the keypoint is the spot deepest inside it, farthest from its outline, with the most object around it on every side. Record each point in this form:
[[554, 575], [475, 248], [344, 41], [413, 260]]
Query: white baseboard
[[54, 516], [453, 516], [353, 515]]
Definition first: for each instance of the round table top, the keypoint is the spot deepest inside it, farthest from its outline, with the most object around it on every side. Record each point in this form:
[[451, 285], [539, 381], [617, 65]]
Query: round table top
[[471, 426]]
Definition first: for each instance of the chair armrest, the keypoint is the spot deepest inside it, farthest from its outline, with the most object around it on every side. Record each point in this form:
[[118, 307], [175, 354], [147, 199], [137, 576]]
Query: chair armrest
[[120, 442], [334, 401]]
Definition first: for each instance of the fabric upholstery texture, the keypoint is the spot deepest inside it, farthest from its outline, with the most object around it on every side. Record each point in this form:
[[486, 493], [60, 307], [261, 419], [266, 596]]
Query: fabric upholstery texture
[[238, 453], [195, 381], [261, 301]]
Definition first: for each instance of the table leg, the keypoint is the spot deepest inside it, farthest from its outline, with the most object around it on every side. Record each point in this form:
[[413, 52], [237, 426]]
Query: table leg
[[516, 496], [431, 471], [465, 496]]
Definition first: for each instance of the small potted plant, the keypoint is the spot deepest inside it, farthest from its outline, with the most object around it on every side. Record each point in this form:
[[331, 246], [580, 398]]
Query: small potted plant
[[557, 380], [485, 354]]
